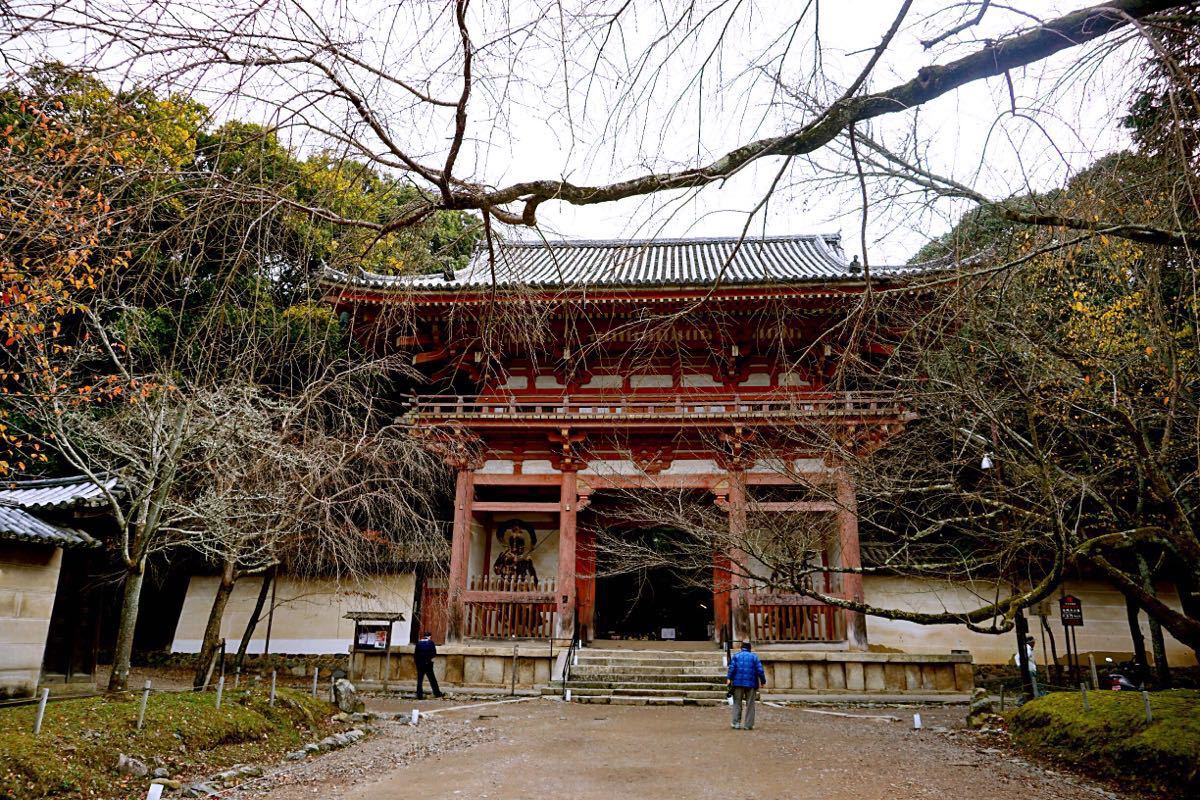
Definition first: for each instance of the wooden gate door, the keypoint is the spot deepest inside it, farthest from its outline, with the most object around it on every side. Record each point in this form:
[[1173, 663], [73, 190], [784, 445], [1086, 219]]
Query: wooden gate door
[[434, 614]]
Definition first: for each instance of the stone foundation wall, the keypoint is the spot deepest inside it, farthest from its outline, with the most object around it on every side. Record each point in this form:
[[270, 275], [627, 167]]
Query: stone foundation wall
[[460, 665], [885, 673]]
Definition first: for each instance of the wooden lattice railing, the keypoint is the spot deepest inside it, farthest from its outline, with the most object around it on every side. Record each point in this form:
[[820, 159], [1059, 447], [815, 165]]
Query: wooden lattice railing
[[505, 620], [509, 583], [794, 618]]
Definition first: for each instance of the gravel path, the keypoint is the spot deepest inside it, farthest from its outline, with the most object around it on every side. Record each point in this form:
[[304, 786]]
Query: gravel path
[[545, 748]]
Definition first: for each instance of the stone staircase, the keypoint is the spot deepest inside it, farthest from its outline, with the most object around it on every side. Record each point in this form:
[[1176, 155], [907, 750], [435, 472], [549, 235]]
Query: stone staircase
[[647, 677]]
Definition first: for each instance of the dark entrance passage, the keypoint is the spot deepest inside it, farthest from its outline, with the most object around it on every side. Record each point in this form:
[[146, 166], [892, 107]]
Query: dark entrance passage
[[654, 603]]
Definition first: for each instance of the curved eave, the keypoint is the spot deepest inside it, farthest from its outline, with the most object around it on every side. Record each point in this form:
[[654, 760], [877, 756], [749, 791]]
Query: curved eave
[[362, 292]]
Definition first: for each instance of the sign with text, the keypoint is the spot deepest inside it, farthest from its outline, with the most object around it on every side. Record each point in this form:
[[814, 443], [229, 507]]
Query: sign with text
[[1070, 610]]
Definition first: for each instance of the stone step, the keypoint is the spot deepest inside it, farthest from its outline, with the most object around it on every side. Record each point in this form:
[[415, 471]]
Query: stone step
[[632, 680], [647, 673], [648, 701], [648, 691], [645, 660], [648, 669]]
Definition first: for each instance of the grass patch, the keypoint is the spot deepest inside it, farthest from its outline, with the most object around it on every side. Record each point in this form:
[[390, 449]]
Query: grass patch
[[1114, 739], [75, 755]]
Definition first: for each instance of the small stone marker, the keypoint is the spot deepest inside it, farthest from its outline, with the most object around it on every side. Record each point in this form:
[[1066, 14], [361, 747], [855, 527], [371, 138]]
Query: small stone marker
[[1146, 704], [271, 702], [1083, 693], [316, 672], [916, 722], [156, 790], [41, 712], [416, 715], [142, 706]]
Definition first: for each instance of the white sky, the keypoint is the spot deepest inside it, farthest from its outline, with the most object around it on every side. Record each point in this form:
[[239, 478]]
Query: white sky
[[560, 95]]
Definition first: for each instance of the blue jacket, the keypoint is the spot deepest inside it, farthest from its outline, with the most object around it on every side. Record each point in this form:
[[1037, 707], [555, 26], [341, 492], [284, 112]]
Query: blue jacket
[[746, 670], [424, 651]]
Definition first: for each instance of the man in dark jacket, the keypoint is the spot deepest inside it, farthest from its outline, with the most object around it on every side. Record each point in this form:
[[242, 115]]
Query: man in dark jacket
[[423, 653], [745, 676]]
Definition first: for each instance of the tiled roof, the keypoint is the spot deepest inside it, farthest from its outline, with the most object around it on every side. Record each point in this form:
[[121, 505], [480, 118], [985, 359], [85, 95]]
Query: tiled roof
[[618, 263], [54, 493], [21, 526]]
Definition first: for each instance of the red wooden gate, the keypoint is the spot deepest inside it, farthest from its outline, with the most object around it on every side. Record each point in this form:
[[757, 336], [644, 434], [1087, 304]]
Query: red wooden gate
[[434, 612]]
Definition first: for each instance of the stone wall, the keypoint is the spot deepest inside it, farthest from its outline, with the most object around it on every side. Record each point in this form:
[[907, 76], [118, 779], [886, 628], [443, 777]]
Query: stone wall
[[461, 665], [855, 673], [28, 582]]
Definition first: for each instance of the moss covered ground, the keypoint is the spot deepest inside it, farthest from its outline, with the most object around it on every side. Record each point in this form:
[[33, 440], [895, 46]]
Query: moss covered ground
[[1114, 740], [81, 740]]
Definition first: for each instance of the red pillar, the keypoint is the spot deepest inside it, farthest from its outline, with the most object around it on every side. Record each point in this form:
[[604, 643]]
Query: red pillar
[[737, 557], [850, 556], [460, 553], [568, 506]]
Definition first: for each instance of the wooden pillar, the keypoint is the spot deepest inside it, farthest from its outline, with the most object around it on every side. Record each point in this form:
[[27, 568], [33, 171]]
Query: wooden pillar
[[721, 590], [850, 556], [738, 597], [460, 554], [568, 507], [585, 582]]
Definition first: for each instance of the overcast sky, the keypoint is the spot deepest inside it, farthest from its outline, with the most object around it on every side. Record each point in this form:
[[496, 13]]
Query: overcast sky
[[559, 93]]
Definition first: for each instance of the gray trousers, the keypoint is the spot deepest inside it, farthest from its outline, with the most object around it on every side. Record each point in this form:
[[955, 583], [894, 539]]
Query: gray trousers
[[747, 695]]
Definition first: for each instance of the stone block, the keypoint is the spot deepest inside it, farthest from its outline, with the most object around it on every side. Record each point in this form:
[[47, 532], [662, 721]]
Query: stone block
[[894, 677], [525, 672], [818, 676], [855, 676], [943, 677], [541, 670], [964, 677], [874, 677], [473, 670], [493, 670], [912, 676], [801, 676], [781, 676], [454, 670], [836, 673]]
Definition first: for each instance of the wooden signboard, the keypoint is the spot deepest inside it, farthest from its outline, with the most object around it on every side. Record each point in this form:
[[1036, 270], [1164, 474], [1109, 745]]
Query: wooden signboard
[[1070, 611]]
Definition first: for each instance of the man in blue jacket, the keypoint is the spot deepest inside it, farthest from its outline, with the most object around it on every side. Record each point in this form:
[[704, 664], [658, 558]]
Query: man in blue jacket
[[423, 653], [745, 676]]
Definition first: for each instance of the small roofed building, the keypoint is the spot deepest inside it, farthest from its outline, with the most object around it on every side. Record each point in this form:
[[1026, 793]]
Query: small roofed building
[[49, 620]]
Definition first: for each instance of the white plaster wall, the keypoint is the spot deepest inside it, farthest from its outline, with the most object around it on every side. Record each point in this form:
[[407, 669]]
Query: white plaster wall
[[516, 382], [693, 466], [28, 583], [604, 382], [497, 466], [547, 382], [1105, 630], [757, 379], [697, 381], [538, 467], [308, 614], [610, 466], [651, 382]]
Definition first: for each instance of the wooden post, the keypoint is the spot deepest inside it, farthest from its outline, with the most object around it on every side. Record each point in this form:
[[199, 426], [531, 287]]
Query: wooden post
[[568, 502], [737, 557], [849, 555], [460, 553], [387, 657]]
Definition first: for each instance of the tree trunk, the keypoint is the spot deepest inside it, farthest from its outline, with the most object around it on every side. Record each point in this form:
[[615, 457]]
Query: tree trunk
[[119, 679], [1162, 669], [1022, 627], [1139, 643], [212, 631], [252, 623]]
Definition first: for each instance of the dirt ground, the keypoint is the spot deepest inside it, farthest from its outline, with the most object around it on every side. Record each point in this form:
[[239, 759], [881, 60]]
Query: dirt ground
[[543, 748]]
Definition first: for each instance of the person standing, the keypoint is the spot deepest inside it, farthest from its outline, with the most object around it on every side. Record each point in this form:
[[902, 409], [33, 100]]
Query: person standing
[[745, 677], [423, 653]]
